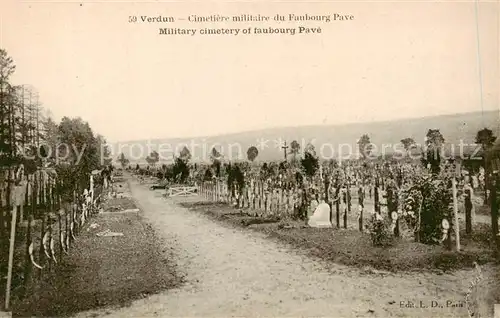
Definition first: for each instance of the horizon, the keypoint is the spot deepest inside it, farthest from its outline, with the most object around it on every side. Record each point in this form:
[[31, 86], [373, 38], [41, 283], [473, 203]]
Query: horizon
[[449, 151], [386, 138], [130, 83], [271, 128]]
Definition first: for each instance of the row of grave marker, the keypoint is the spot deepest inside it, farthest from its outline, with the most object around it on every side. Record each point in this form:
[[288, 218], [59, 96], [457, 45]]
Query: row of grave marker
[[261, 195], [35, 198], [285, 202]]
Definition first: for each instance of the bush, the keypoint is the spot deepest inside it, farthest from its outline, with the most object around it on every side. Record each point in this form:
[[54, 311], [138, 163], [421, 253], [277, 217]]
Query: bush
[[436, 207], [435, 193], [180, 170], [379, 233], [208, 175]]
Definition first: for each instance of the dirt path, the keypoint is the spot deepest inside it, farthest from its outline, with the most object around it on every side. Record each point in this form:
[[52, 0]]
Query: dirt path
[[232, 272]]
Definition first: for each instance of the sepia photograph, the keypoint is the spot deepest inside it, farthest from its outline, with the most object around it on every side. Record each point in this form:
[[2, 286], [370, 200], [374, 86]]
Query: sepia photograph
[[237, 158]]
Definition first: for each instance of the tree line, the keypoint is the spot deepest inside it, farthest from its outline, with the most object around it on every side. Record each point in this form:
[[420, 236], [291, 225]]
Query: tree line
[[308, 161], [29, 135]]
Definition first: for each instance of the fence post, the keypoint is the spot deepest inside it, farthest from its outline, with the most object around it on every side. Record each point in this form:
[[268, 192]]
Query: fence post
[[494, 212], [337, 205], [468, 210], [253, 195], [392, 207], [11, 254], [327, 188], [42, 247], [345, 206], [265, 202], [3, 234], [29, 216], [217, 190], [59, 216], [455, 212], [361, 199]]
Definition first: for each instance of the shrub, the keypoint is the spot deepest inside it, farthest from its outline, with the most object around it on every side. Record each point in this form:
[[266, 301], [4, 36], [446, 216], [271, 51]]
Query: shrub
[[379, 233]]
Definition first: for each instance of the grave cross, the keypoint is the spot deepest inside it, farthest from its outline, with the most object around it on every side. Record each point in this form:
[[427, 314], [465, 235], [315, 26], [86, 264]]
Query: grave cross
[[285, 147]]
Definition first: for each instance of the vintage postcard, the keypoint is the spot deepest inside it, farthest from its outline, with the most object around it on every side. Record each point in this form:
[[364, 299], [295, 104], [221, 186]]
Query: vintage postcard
[[240, 158]]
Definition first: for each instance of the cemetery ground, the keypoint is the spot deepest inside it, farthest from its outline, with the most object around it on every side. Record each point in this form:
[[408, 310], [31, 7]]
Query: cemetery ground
[[105, 271], [231, 271], [354, 248], [191, 262]]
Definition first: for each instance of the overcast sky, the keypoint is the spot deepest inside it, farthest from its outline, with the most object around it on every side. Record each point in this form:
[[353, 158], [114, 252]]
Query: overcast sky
[[394, 60]]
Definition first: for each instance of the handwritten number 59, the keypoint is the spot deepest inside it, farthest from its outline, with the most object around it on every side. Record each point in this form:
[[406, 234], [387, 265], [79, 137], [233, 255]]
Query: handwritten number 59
[[132, 19]]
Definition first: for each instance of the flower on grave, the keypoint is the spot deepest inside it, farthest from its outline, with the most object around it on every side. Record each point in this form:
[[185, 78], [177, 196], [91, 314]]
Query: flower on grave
[[394, 216]]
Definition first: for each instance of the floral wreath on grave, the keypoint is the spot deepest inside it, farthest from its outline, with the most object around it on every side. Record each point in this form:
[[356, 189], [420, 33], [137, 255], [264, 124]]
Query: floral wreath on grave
[[432, 198], [412, 202]]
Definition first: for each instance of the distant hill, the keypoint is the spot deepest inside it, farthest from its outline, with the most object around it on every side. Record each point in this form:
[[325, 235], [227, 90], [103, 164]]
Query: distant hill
[[336, 138]]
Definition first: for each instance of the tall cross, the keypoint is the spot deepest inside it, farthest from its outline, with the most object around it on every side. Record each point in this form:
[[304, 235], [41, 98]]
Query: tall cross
[[285, 147]]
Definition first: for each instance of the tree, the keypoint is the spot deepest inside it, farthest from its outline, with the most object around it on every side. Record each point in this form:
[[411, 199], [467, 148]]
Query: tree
[[78, 154], [185, 154], [235, 177], [274, 168], [434, 138], [50, 136], [153, 158], [181, 167], [123, 160], [310, 162], [180, 170], [408, 143], [239, 177], [28, 115], [310, 149], [7, 134], [7, 113], [215, 155], [208, 175], [486, 139], [294, 150], [252, 153], [434, 141], [7, 66], [365, 146], [105, 157], [283, 167], [264, 171], [78, 143]]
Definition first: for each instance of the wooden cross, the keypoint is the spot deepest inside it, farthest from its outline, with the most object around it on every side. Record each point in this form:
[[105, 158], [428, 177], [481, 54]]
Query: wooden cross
[[285, 147]]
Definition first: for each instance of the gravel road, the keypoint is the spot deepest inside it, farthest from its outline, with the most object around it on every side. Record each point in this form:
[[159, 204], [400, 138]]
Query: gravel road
[[235, 272]]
